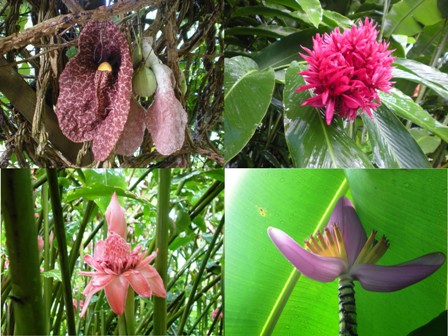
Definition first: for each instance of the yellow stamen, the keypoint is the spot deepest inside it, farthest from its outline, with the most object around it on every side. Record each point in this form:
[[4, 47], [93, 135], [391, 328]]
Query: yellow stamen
[[312, 247], [341, 246], [331, 243], [377, 251], [105, 66], [365, 248]]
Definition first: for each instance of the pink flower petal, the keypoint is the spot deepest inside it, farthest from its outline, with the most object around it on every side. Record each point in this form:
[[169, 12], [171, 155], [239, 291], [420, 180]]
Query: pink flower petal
[[116, 292], [139, 283], [154, 280], [115, 217], [353, 234], [323, 269], [166, 118], [134, 130], [90, 292], [391, 278]]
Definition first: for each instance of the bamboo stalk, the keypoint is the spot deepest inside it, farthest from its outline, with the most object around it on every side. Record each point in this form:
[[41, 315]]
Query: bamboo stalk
[[163, 208], [21, 241], [59, 229]]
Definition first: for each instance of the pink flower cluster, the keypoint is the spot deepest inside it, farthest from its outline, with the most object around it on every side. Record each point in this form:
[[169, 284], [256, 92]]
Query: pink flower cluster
[[346, 69], [117, 266]]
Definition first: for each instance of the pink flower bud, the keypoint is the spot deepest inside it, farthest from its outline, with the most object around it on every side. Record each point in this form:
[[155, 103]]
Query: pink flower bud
[[116, 221], [40, 243]]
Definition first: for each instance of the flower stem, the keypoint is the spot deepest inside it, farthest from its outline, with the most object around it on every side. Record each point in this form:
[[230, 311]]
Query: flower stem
[[347, 308], [129, 312]]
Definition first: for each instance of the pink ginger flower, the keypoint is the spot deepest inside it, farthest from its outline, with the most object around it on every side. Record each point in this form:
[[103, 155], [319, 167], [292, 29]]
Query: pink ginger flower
[[346, 70], [117, 267], [115, 218]]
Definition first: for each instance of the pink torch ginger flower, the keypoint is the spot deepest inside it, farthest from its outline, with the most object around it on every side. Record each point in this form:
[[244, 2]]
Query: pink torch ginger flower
[[117, 267], [345, 251], [115, 218], [346, 69]]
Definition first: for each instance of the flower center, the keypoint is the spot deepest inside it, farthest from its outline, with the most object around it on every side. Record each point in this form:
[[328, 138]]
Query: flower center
[[117, 254], [330, 244], [105, 66], [372, 250]]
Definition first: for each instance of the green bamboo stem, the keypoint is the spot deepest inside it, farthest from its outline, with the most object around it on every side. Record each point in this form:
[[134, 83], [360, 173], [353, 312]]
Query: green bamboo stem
[[47, 255], [161, 264], [59, 228], [21, 241], [198, 277]]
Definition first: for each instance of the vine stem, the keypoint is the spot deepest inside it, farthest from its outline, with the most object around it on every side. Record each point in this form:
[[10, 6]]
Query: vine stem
[[347, 307]]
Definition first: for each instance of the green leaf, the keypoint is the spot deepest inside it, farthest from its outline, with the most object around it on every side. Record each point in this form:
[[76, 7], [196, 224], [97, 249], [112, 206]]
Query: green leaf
[[262, 31], [427, 142], [55, 274], [183, 219], [312, 143], [264, 11], [393, 146], [436, 327], [313, 10], [405, 107], [95, 190], [248, 92], [422, 73], [335, 19], [408, 17], [408, 206], [285, 50]]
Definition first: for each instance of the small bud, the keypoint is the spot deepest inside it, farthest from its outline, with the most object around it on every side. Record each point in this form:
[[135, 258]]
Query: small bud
[[144, 82]]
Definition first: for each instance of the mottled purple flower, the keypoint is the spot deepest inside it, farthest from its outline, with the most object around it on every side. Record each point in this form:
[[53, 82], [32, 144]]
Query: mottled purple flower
[[96, 88], [346, 70], [344, 251]]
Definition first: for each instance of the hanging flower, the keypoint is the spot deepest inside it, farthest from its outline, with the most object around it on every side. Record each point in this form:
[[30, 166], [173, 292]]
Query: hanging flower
[[95, 88], [346, 70], [166, 118], [117, 267], [344, 251], [116, 221]]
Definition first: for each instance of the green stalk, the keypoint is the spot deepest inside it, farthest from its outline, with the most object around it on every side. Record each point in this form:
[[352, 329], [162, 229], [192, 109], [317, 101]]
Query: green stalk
[[129, 312], [163, 208], [21, 241], [198, 277], [47, 251], [347, 308], [59, 228]]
